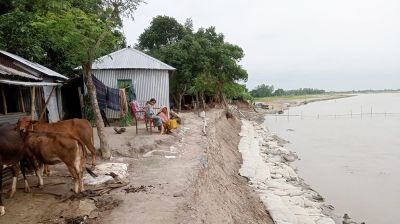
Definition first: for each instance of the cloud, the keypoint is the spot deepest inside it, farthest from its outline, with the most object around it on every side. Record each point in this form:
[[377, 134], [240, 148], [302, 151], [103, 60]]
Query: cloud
[[322, 41]]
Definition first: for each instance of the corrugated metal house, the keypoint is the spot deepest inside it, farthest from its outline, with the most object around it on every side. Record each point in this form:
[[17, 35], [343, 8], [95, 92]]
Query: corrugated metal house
[[18, 77], [148, 76]]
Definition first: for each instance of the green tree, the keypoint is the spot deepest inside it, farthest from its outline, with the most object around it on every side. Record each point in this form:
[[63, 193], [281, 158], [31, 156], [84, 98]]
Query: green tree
[[262, 91], [279, 92], [174, 44], [163, 31], [72, 33], [17, 35], [188, 58], [116, 8], [223, 59]]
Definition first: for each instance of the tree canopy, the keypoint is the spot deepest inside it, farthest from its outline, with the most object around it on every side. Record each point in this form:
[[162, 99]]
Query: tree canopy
[[58, 34]]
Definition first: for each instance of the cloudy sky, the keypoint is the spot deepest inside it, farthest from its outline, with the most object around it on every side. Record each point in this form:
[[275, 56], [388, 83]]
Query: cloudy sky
[[327, 44]]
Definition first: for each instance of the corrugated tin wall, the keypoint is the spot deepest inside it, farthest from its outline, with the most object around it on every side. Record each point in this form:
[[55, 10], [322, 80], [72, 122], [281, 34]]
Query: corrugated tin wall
[[148, 84]]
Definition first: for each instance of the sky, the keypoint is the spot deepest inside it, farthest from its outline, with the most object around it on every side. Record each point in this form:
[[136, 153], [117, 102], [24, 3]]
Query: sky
[[325, 44]]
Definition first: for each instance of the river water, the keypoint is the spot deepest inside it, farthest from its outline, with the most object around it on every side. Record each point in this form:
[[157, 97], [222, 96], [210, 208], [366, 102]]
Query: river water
[[349, 152]]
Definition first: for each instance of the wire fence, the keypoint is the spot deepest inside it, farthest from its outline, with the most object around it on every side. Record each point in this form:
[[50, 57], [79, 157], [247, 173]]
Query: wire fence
[[358, 115]]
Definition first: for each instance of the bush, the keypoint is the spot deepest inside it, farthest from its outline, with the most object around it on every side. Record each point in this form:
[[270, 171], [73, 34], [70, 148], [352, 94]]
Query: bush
[[126, 120]]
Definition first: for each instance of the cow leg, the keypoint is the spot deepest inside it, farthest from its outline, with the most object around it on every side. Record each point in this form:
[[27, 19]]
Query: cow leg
[[46, 170], [14, 180], [23, 165], [82, 165], [75, 176], [39, 176], [89, 146], [2, 210]]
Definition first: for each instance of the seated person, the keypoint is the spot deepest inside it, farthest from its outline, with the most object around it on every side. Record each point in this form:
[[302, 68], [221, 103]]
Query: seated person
[[157, 122], [163, 114]]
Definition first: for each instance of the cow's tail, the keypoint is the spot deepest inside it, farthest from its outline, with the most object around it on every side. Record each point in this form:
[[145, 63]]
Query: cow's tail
[[91, 172]]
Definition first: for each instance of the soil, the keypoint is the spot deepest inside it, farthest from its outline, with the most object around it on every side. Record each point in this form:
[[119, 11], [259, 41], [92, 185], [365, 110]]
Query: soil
[[184, 177]]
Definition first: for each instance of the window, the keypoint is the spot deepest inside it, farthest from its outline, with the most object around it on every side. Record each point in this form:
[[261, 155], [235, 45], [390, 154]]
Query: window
[[124, 83]]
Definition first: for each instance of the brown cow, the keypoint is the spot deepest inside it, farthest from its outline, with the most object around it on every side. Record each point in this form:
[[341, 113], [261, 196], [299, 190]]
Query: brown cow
[[11, 153], [77, 128], [51, 148]]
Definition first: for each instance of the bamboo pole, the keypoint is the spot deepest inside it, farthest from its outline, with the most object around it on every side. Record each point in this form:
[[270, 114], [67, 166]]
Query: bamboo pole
[[3, 96], [21, 99], [33, 103], [47, 102]]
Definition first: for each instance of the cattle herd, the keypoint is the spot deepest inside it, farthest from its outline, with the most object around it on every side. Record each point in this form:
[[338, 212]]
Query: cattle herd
[[35, 145]]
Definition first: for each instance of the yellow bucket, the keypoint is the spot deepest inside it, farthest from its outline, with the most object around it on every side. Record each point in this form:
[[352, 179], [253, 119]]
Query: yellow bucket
[[172, 123]]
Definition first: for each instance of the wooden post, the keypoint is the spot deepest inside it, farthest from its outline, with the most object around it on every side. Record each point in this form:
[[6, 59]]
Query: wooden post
[[3, 96], [45, 105], [21, 99], [33, 103]]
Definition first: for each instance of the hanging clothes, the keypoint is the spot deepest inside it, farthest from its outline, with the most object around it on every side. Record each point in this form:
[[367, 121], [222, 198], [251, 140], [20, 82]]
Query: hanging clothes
[[101, 92], [132, 93], [123, 102], [113, 99]]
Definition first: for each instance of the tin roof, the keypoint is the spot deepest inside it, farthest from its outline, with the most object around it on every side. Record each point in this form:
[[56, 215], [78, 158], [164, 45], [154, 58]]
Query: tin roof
[[33, 65], [21, 83], [4, 70], [129, 58]]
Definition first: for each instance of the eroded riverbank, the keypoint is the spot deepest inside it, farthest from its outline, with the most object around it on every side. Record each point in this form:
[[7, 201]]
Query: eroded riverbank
[[266, 164]]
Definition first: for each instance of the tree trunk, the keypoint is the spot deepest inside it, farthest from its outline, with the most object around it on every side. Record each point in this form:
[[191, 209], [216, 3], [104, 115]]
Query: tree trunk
[[220, 95], [180, 102], [181, 93], [104, 146], [203, 102]]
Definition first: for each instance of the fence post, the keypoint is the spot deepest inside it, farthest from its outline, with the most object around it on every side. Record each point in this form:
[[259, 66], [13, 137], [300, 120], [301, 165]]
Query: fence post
[[361, 112], [371, 111]]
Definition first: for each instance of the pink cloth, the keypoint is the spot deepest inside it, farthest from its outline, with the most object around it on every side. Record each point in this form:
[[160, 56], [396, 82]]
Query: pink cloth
[[134, 108], [163, 116]]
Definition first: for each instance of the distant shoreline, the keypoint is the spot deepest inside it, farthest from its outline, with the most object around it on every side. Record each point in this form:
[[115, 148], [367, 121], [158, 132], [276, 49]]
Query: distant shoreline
[[279, 104]]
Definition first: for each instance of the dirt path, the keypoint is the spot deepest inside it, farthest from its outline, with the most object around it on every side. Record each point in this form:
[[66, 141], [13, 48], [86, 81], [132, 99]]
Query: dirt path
[[164, 179]]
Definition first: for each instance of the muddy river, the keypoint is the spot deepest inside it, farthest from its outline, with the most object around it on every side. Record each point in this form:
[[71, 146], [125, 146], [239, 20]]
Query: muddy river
[[350, 152]]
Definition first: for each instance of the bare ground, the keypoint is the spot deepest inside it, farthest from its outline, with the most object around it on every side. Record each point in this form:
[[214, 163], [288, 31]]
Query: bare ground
[[185, 177]]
